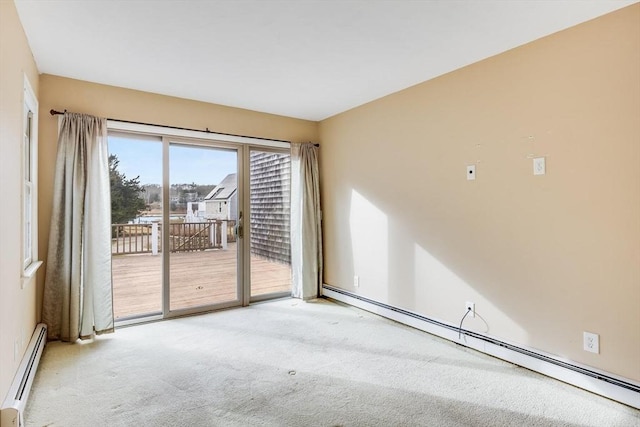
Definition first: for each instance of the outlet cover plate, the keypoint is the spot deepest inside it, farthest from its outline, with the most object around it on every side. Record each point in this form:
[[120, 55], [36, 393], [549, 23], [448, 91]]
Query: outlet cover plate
[[471, 172], [470, 305], [591, 342]]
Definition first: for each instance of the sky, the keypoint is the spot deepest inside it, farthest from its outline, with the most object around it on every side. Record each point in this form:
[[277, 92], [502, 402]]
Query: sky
[[142, 156]]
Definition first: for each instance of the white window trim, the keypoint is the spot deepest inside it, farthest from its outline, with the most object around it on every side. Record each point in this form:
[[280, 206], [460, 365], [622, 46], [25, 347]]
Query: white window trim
[[30, 265]]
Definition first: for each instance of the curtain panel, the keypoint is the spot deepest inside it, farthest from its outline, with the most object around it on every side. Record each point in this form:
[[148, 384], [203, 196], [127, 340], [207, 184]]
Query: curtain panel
[[306, 229], [78, 300]]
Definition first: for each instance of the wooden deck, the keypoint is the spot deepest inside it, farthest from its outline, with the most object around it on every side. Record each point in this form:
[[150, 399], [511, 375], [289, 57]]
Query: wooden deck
[[197, 278]]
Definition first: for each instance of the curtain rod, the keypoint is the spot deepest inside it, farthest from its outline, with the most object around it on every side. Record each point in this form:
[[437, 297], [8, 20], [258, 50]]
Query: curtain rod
[[55, 113]]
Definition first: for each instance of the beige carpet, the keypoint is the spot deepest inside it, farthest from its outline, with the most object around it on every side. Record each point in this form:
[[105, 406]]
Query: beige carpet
[[289, 363]]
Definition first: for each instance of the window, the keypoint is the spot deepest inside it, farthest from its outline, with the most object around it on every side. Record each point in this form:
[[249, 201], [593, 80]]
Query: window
[[30, 262]]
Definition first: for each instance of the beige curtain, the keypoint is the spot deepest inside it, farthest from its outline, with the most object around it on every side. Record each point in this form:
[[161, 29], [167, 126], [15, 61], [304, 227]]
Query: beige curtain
[[78, 300], [306, 230]]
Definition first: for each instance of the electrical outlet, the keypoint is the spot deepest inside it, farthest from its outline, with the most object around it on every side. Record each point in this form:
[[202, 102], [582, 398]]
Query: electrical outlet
[[539, 167], [591, 342], [471, 172], [470, 306], [356, 281]]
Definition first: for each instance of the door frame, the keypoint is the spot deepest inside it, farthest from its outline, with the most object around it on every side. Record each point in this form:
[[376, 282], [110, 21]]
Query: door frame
[[248, 298], [243, 146], [167, 141]]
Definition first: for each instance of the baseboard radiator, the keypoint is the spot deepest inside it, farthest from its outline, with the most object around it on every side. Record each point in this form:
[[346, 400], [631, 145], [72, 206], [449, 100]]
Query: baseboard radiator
[[605, 384], [12, 410]]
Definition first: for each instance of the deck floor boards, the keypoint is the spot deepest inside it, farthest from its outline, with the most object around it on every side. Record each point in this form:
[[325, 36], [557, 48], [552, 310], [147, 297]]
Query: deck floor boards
[[197, 278]]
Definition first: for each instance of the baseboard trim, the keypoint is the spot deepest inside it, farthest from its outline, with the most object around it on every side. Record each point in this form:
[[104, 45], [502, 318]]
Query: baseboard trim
[[605, 384], [12, 410]]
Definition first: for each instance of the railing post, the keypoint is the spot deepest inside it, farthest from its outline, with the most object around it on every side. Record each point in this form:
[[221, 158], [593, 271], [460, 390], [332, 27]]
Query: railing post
[[154, 238], [223, 234], [212, 234]]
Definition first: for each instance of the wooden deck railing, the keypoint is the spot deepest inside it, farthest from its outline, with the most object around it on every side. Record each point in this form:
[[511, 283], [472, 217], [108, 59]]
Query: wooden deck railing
[[183, 237]]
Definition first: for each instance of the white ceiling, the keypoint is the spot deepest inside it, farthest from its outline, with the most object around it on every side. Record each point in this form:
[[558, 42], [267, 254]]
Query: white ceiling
[[305, 59]]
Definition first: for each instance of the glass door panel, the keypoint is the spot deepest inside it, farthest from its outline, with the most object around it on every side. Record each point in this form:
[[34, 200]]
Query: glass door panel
[[203, 211], [135, 169], [269, 194]]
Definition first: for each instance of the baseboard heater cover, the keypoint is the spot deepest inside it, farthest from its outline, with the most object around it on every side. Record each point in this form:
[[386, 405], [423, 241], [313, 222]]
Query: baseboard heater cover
[[616, 388], [12, 410]]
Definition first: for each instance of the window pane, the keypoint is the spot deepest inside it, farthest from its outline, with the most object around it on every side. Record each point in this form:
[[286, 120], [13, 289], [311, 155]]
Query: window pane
[[27, 224], [203, 258], [135, 171], [270, 219]]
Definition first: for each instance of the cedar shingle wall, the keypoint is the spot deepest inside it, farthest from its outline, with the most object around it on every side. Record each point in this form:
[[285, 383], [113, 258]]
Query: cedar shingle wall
[[270, 192]]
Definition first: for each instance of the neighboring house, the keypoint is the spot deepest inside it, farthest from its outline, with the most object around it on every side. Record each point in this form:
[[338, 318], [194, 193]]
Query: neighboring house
[[270, 200], [222, 201], [190, 197], [195, 211]]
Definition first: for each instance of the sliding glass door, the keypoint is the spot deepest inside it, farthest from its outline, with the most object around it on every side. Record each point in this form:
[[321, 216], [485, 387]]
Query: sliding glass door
[[178, 242], [201, 232], [135, 169], [269, 208]]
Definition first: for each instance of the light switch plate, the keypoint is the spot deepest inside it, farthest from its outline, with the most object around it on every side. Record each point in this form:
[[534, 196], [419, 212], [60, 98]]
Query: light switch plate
[[539, 166]]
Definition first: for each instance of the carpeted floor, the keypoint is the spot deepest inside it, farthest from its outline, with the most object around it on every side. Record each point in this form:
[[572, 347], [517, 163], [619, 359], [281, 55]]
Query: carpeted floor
[[290, 363]]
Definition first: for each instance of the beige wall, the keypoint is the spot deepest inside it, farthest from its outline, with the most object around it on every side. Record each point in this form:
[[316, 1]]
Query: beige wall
[[543, 257], [107, 101], [17, 306]]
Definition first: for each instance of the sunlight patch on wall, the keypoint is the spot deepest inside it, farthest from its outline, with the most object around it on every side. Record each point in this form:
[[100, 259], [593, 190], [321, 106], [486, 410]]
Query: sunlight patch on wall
[[444, 292], [370, 246]]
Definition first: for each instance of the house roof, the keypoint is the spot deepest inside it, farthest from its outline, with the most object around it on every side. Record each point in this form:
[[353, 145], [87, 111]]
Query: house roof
[[211, 193], [225, 189]]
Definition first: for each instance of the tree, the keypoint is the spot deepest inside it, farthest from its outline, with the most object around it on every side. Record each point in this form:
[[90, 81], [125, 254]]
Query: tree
[[126, 203]]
